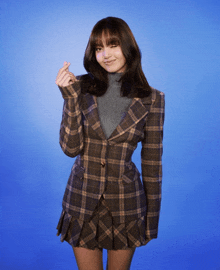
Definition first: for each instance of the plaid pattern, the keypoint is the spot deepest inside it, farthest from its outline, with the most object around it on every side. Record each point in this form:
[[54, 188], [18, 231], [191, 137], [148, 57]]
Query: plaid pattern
[[104, 167], [101, 232]]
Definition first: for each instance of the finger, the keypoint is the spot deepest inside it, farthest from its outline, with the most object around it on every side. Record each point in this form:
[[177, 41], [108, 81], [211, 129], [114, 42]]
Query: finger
[[71, 78], [65, 68], [66, 64], [65, 74], [72, 75], [65, 79], [62, 81]]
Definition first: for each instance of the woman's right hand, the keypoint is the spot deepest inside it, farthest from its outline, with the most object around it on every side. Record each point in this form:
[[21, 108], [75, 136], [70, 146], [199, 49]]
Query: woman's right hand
[[65, 77]]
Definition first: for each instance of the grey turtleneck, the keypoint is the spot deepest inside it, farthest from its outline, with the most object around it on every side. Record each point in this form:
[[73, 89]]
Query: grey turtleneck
[[111, 105]]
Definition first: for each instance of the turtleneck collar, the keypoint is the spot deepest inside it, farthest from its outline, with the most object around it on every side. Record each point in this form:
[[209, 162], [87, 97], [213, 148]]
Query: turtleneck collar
[[114, 77]]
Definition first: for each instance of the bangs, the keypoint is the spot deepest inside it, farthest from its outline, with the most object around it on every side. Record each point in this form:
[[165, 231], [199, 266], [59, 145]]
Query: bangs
[[106, 35]]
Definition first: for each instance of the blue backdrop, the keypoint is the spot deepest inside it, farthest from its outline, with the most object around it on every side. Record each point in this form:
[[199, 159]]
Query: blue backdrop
[[180, 43]]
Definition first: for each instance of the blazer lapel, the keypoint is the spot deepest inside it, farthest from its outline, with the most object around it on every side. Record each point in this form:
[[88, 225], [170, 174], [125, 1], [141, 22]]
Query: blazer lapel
[[138, 109], [90, 111]]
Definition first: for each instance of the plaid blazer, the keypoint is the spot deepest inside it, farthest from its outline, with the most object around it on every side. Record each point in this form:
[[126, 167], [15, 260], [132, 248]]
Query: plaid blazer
[[103, 165]]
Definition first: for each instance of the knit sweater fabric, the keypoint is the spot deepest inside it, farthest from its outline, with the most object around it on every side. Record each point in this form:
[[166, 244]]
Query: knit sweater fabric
[[111, 106]]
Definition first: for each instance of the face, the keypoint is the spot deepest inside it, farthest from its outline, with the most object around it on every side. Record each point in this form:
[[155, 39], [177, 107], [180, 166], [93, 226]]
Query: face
[[110, 57]]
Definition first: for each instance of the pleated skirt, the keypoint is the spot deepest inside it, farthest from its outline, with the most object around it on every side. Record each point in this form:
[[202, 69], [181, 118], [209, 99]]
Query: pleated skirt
[[100, 231]]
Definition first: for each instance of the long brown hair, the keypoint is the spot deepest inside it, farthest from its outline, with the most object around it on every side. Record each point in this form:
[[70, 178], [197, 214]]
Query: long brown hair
[[117, 32]]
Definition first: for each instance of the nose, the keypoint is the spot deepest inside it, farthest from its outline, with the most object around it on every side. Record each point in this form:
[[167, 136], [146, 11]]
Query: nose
[[106, 53]]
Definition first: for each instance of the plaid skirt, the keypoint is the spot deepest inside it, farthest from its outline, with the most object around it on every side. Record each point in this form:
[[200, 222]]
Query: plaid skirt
[[101, 231]]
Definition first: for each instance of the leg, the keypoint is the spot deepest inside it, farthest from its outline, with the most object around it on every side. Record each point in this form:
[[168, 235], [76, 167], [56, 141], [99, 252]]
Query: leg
[[88, 259], [120, 259]]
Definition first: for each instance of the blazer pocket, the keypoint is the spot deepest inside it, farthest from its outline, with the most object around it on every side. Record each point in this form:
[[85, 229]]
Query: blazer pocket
[[77, 176], [130, 176]]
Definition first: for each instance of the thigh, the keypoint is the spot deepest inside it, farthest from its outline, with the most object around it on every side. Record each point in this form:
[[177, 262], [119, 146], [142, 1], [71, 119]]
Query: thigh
[[120, 259], [88, 259]]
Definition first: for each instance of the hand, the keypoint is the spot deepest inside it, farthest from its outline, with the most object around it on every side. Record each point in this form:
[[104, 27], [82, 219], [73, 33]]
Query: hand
[[64, 76]]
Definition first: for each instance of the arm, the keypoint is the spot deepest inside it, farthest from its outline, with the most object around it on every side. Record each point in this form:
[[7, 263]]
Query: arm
[[71, 132], [151, 160]]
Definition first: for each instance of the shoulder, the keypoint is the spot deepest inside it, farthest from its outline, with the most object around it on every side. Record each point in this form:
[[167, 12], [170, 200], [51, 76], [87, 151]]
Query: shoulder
[[86, 82], [155, 97], [158, 100], [156, 93]]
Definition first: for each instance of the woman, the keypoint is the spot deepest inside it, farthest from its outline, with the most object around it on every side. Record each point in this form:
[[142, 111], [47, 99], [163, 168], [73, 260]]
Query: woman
[[106, 113]]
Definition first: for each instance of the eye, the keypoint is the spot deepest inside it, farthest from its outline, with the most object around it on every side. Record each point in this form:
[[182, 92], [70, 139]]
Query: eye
[[113, 46], [98, 49]]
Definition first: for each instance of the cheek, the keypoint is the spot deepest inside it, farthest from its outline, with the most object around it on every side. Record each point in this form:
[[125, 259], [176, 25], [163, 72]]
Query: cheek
[[120, 55], [123, 59], [98, 57]]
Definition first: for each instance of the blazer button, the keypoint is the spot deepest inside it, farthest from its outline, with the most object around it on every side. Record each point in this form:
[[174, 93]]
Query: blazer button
[[103, 164]]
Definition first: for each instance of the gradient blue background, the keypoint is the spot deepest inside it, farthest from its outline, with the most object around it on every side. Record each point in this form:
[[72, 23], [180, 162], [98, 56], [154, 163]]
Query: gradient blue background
[[180, 43]]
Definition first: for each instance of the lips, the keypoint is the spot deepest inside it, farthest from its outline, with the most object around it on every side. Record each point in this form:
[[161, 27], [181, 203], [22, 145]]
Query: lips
[[108, 63]]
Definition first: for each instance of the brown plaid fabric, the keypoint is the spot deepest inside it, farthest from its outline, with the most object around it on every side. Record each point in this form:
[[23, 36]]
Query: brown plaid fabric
[[100, 231], [104, 167]]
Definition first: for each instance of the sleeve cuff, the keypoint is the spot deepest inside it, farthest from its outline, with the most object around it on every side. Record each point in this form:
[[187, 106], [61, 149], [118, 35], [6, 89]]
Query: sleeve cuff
[[70, 91]]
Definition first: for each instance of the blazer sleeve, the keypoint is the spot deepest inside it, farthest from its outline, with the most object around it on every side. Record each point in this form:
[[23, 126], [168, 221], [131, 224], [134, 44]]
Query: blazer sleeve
[[71, 131], [151, 162]]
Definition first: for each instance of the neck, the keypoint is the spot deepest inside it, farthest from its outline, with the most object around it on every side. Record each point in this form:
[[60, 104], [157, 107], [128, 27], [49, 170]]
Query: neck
[[113, 77]]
